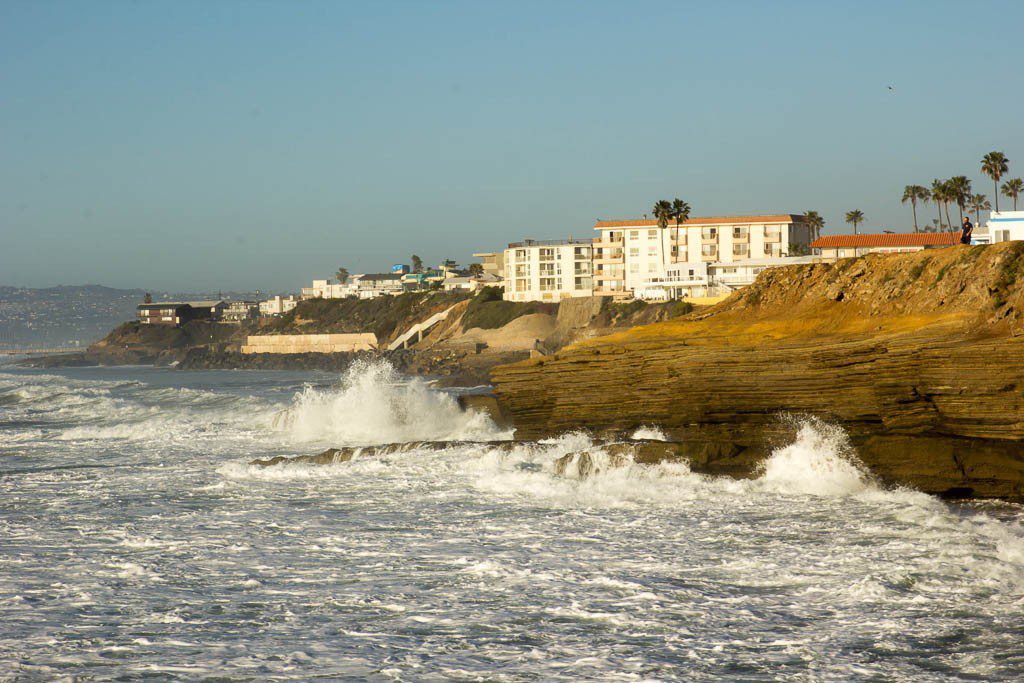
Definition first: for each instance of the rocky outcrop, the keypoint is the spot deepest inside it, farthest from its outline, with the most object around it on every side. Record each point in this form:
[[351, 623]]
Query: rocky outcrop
[[919, 357]]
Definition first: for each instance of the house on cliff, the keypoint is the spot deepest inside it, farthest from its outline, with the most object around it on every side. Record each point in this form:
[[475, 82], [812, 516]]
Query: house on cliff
[[848, 246], [177, 313]]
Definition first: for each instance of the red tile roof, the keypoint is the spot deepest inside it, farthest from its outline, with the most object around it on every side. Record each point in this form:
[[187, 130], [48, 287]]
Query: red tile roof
[[706, 220], [897, 239]]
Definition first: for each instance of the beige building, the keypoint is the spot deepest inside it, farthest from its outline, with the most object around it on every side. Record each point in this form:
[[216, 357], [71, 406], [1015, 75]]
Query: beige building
[[548, 270], [629, 254], [493, 262]]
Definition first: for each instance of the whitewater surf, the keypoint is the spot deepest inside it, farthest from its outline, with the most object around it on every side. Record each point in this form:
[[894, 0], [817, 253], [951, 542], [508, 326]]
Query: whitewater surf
[[138, 539]]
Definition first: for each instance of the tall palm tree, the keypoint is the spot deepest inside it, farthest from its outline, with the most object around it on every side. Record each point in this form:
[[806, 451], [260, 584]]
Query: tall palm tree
[[947, 195], [856, 217], [960, 188], [1012, 189], [914, 194], [995, 165], [681, 214], [979, 203], [939, 197], [663, 212], [815, 222]]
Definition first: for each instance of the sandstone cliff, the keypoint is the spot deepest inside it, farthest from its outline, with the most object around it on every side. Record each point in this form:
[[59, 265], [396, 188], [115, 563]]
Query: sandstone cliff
[[920, 357]]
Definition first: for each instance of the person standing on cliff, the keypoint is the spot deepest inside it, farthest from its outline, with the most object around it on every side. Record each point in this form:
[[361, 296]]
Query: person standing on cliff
[[966, 231]]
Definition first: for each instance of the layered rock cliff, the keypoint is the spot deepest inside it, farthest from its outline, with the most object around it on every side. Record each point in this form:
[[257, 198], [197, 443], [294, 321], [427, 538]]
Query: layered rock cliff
[[919, 357]]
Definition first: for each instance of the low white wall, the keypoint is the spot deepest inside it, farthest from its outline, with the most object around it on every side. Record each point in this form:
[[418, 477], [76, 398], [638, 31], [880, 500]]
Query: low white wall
[[310, 343]]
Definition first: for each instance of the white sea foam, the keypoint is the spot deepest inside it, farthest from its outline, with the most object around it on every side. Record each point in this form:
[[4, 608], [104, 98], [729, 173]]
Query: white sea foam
[[473, 561], [819, 462], [375, 405], [649, 433]]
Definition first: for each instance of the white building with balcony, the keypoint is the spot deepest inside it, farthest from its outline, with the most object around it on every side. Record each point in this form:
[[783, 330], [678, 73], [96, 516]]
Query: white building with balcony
[[548, 270], [278, 305], [639, 257], [325, 289]]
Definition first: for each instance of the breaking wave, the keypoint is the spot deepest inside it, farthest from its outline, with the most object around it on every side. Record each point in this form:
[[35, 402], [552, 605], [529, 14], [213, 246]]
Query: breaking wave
[[375, 405]]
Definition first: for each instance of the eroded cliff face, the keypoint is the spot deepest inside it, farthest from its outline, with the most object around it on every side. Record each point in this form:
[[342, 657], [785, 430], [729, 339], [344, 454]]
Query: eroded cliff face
[[919, 357]]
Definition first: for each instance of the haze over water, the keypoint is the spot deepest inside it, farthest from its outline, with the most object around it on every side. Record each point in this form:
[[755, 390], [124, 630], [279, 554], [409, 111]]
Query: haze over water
[[136, 540]]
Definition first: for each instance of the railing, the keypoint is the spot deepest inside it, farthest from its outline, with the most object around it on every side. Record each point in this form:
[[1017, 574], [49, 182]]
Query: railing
[[547, 243]]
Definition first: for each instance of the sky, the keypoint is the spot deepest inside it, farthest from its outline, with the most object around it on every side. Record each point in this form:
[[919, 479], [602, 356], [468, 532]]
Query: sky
[[258, 145]]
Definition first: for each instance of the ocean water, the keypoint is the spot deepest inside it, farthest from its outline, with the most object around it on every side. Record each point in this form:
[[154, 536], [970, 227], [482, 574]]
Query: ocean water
[[136, 542]]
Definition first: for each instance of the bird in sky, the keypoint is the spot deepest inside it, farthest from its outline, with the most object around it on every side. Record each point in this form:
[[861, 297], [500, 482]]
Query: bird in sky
[[892, 89]]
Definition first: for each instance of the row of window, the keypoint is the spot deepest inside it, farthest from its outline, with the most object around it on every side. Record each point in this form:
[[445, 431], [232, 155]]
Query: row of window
[[709, 233]]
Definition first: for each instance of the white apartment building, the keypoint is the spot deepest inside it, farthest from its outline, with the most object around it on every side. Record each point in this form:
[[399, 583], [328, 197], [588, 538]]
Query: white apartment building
[[548, 270], [632, 256], [278, 305], [325, 289], [1004, 226]]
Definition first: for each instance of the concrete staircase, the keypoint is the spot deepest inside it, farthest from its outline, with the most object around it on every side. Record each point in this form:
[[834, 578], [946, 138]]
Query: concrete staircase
[[417, 330]]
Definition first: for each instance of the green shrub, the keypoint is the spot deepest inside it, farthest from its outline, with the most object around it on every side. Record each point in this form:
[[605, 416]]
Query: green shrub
[[385, 316], [916, 271]]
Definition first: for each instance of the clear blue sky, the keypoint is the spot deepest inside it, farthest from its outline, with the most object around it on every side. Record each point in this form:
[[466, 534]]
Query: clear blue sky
[[239, 145]]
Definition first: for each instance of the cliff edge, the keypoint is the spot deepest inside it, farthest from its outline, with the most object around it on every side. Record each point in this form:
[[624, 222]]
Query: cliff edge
[[919, 357]]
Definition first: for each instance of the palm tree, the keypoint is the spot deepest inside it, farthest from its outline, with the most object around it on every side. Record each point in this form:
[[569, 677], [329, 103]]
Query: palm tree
[[663, 212], [342, 275], [681, 214], [1012, 189], [913, 194], [979, 203], [995, 165], [856, 217], [960, 188], [938, 192], [815, 222]]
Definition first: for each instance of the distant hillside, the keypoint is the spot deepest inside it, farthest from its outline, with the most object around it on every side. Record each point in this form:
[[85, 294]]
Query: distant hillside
[[70, 314]]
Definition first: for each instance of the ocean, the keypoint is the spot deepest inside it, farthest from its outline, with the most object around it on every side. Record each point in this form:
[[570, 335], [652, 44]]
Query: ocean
[[137, 542]]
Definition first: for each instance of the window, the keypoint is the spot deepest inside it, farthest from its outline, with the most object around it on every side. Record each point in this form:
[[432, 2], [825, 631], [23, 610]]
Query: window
[[581, 253], [652, 250], [652, 267], [520, 254], [634, 251], [522, 270], [709, 250], [772, 250], [634, 267], [547, 284], [652, 234], [547, 254], [634, 234], [708, 233], [740, 249], [739, 232]]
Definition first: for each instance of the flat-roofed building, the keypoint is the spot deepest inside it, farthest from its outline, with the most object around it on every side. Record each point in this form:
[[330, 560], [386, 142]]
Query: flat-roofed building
[[548, 270], [1004, 226], [629, 254], [493, 262], [240, 311], [278, 305], [849, 246], [180, 312]]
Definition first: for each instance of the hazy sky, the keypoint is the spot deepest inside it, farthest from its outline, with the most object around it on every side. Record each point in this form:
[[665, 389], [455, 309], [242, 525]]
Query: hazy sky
[[242, 145]]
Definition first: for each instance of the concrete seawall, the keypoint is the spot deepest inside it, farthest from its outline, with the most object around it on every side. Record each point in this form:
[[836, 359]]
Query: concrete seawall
[[310, 343]]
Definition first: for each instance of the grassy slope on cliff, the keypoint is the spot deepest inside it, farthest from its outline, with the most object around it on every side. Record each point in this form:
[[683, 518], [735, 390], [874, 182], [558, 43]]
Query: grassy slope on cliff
[[488, 311], [195, 333], [980, 288], [385, 316]]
